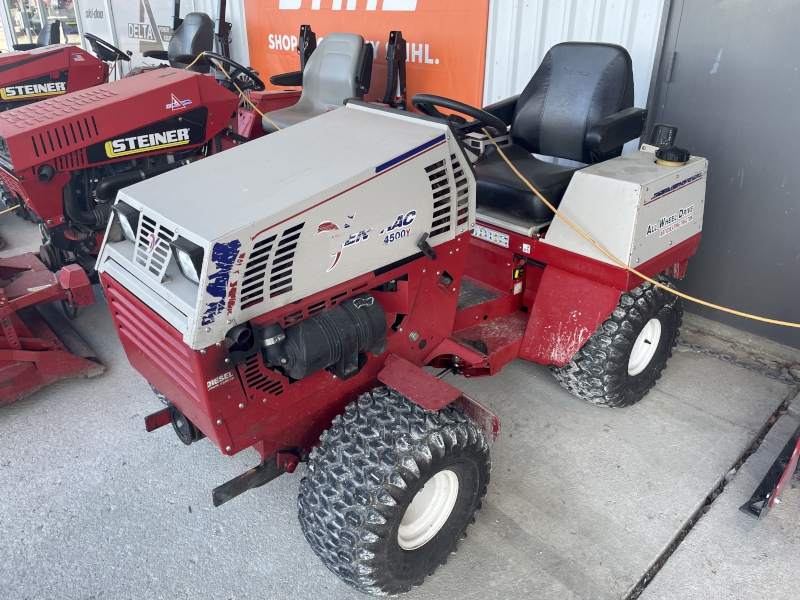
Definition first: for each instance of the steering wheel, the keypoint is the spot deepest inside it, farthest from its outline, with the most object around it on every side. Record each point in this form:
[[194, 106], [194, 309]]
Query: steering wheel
[[247, 77], [104, 50], [427, 103]]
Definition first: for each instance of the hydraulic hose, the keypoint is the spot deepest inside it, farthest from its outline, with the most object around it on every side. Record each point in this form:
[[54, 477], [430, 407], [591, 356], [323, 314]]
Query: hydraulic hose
[[74, 209], [108, 187]]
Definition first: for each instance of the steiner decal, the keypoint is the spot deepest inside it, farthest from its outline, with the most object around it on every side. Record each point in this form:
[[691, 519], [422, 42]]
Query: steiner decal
[[668, 224], [147, 143], [223, 255], [41, 87], [188, 129]]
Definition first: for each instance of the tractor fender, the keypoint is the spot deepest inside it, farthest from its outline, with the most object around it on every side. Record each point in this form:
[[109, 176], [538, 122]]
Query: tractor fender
[[433, 394], [568, 309]]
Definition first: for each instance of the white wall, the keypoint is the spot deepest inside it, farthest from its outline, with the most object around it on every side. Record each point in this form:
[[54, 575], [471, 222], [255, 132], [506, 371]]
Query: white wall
[[235, 16], [521, 32]]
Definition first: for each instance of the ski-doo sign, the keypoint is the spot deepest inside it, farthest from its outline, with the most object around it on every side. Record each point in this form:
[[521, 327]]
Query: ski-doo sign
[[173, 133]]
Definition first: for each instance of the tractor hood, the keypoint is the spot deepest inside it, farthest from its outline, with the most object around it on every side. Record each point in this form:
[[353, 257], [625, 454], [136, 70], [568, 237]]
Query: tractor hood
[[291, 214], [29, 62], [46, 72], [156, 110]]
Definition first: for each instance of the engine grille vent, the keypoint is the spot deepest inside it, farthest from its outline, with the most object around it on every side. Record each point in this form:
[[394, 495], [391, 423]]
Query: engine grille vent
[[60, 138], [259, 379], [252, 290], [280, 275], [268, 271], [152, 247], [440, 186], [462, 191], [71, 160]]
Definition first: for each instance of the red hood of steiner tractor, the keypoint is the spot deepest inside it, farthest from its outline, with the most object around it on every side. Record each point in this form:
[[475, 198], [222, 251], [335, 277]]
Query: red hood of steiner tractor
[[157, 111], [49, 71]]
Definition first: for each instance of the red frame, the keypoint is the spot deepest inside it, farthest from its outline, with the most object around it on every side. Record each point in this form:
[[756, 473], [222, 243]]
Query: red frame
[[251, 405]]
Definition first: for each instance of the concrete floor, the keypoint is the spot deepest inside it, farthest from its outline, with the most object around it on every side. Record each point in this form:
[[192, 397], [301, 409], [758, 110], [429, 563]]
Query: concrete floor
[[582, 501]]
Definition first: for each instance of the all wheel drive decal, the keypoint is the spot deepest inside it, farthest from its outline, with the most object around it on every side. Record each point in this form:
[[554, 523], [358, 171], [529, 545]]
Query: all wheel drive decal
[[670, 223], [41, 87], [189, 129]]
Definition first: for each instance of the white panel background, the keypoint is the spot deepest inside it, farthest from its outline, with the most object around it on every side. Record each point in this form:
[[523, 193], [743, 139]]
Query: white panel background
[[521, 32], [235, 16]]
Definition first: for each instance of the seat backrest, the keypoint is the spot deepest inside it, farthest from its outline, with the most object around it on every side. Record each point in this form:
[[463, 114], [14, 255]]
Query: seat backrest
[[50, 33], [195, 35], [332, 72], [577, 84]]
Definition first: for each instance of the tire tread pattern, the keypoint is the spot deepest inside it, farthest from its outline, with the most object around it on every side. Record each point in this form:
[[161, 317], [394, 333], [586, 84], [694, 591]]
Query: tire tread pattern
[[598, 371], [358, 481]]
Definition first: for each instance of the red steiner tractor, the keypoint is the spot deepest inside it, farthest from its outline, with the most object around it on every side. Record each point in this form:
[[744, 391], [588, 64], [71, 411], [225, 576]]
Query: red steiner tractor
[[359, 246]]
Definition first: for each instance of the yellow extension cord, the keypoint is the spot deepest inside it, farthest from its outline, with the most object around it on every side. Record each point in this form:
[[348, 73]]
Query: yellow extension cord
[[626, 267], [567, 221], [246, 99]]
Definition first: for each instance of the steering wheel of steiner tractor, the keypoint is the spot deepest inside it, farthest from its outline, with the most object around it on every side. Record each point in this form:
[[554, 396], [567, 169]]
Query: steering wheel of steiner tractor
[[236, 72], [104, 50], [427, 103]]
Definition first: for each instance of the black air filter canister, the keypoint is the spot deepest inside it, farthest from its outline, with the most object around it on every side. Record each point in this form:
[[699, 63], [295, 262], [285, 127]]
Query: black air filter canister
[[336, 338]]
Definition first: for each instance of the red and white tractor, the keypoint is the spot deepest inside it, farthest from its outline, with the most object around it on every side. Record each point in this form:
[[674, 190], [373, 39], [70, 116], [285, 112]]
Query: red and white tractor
[[286, 294]]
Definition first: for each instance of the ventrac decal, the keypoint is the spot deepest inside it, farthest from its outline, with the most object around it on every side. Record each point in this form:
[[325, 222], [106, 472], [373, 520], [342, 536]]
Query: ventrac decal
[[41, 87], [218, 381], [400, 228], [223, 256], [672, 222], [674, 188], [175, 132], [354, 238]]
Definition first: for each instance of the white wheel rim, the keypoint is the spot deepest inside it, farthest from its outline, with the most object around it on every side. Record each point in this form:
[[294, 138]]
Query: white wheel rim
[[645, 346], [428, 511]]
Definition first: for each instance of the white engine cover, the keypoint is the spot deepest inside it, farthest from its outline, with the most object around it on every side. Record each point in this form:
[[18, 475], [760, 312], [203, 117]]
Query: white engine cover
[[631, 206], [292, 214]]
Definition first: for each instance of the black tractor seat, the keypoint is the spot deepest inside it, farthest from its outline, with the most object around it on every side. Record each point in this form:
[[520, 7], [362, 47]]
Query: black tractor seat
[[194, 36], [499, 186], [577, 106]]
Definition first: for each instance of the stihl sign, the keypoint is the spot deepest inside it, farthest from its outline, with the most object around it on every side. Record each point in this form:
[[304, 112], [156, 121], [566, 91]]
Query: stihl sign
[[447, 61], [400, 5]]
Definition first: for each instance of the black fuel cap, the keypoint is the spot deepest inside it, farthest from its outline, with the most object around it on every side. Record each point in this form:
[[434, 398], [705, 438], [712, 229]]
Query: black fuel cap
[[672, 154]]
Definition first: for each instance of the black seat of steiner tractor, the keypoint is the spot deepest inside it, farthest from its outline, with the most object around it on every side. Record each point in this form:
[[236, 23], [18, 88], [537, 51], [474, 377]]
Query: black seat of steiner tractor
[[578, 106], [195, 35], [340, 68], [50, 34]]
